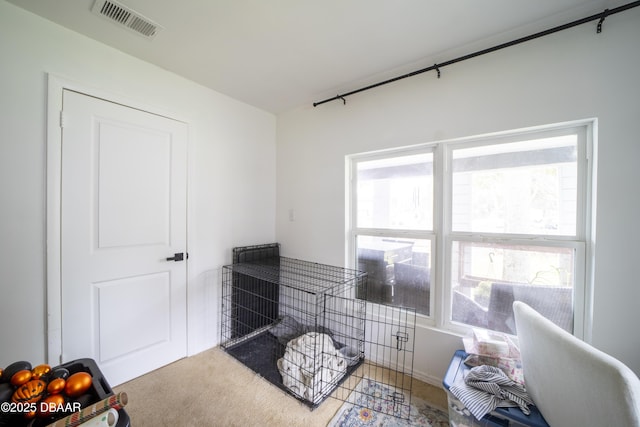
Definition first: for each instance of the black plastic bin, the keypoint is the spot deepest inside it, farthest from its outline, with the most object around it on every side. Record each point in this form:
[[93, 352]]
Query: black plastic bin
[[99, 390]]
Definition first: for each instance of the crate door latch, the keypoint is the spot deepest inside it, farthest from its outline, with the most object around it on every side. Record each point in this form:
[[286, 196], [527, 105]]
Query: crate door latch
[[401, 338], [398, 400]]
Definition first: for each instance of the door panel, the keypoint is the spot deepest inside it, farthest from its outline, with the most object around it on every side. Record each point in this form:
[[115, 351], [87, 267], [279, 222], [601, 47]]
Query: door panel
[[133, 207], [123, 212], [136, 326]]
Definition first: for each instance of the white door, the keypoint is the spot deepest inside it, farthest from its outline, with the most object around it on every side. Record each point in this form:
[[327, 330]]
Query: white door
[[123, 213]]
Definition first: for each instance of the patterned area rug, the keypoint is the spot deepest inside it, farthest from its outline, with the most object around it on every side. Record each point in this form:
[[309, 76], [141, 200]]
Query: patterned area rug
[[365, 408]]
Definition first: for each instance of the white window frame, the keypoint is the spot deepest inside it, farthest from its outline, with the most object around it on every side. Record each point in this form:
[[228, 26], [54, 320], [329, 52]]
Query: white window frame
[[353, 231], [442, 235]]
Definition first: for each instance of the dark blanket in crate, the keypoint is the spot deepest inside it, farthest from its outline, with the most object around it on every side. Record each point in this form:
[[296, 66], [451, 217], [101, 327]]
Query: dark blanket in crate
[[289, 328]]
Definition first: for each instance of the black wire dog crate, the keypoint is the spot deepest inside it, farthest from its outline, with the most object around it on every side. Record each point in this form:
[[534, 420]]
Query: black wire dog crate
[[299, 325]]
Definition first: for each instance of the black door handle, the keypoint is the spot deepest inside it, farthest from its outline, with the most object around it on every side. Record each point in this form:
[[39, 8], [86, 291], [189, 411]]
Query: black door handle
[[176, 257]]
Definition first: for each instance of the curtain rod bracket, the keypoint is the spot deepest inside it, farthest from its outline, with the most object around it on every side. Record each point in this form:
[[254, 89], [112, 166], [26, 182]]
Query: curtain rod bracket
[[602, 17], [437, 69], [344, 101]]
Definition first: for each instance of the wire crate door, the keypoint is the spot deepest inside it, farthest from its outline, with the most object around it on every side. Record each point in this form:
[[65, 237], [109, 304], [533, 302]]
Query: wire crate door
[[383, 382]]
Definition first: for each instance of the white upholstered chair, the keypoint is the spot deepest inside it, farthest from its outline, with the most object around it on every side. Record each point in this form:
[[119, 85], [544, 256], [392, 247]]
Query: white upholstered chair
[[571, 382]]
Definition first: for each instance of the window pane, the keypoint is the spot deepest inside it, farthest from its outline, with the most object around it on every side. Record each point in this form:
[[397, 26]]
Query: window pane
[[399, 271], [527, 187], [487, 278], [396, 193]]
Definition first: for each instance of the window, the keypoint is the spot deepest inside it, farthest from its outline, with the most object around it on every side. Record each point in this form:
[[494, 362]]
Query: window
[[477, 224], [394, 219]]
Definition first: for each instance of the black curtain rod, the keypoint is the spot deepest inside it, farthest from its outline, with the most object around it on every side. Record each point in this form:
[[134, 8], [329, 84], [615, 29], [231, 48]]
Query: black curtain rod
[[601, 16]]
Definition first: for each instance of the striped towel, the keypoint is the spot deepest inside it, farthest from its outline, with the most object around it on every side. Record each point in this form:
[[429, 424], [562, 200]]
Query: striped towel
[[485, 388]]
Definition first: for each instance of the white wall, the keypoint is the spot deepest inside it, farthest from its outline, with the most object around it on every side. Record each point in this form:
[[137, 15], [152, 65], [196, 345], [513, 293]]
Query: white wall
[[227, 206], [575, 74]]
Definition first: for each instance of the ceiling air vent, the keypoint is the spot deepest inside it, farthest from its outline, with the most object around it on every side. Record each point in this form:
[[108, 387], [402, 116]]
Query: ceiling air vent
[[126, 17]]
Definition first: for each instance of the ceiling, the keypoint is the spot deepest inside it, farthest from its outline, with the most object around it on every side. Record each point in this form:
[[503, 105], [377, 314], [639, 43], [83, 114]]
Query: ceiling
[[280, 54]]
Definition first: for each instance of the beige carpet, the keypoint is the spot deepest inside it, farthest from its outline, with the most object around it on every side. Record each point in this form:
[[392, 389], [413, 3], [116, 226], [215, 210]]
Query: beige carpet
[[214, 389]]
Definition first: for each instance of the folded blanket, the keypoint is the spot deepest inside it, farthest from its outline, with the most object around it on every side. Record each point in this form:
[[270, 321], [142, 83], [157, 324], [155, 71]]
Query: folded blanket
[[311, 366], [485, 388]]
